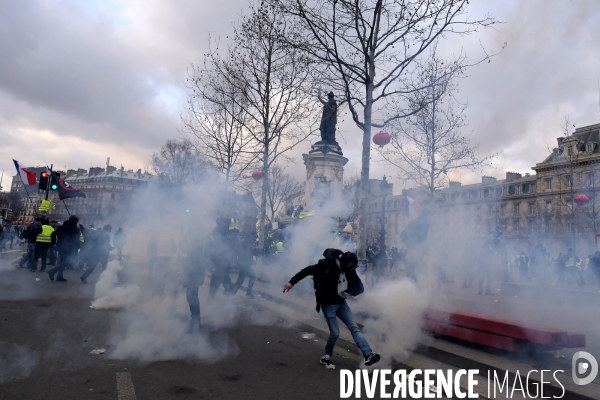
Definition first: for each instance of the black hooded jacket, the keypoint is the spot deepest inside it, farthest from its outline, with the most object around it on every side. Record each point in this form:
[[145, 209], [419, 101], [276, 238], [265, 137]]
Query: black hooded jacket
[[325, 274]]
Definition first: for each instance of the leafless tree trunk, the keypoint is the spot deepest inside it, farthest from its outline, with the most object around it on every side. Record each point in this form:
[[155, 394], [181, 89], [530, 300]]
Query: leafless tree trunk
[[269, 79], [429, 144], [366, 49]]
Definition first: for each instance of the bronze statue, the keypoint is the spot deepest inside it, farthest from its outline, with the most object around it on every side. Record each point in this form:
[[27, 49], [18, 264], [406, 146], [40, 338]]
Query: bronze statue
[[328, 119]]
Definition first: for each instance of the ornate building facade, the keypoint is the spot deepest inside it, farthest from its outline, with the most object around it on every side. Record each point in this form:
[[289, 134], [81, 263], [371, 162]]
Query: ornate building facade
[[523, 209]]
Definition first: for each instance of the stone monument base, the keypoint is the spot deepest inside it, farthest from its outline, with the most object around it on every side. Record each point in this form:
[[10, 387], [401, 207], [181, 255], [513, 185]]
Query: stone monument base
[[324, 173]]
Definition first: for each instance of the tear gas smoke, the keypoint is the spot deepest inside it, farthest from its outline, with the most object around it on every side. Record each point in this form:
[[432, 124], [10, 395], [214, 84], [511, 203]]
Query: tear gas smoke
[[17, 361]]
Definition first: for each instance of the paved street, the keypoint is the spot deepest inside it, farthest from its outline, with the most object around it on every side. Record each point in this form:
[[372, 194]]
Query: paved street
[[46, 336]]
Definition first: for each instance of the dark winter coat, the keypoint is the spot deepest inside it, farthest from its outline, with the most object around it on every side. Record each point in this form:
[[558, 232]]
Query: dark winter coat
[[66, 237], [325, 274]]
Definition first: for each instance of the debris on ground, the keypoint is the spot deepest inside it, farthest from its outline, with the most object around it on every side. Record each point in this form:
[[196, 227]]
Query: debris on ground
[[307, 335], [557, 354], [97, 352]]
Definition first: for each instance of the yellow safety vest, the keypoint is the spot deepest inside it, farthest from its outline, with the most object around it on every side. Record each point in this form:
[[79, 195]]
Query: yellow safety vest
[[234, 224], [44, 237], [279, 247]]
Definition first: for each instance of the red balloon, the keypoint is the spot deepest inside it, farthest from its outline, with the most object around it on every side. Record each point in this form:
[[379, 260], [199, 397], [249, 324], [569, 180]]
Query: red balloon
[[381, 139], [581, 199], [257, 175]]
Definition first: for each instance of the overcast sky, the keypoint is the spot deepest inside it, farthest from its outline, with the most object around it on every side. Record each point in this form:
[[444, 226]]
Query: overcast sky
[[81, 81]]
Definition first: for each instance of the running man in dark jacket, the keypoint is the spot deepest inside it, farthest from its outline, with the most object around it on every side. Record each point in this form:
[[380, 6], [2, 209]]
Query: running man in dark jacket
[[335, 280]]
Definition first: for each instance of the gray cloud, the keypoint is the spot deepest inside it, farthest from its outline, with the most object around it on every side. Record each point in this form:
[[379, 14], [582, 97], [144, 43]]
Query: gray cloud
[[82, 81]]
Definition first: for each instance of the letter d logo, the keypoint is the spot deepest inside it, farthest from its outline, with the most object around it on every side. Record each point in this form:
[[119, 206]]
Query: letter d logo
[[583, 367]]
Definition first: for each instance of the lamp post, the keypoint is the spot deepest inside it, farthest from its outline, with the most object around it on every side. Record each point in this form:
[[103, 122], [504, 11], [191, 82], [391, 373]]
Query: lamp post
[[384, 186]]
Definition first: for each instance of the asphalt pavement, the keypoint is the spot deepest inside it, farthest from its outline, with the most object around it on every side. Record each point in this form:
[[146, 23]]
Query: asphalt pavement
[[47, 330]]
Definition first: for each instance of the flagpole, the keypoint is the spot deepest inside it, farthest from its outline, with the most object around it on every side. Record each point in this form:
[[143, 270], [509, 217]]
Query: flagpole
[[65, 204], [25, 188]]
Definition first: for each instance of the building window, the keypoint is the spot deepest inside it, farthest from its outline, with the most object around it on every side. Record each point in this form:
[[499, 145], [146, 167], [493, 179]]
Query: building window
[[570, 227], [548, 226], [516, 227], [533, 188], [525, 188], [502, 210], [531, 208], [516, 209], [531, 225], [548, 206], [549, 184], [486, 193], [569, 181], [511, 189], [490, 212], [590, 147], [498, 192], [591, 179], [112, 195], [570, 150]]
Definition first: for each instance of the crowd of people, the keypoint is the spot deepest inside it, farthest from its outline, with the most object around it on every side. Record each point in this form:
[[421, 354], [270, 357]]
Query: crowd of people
[[67, 246]]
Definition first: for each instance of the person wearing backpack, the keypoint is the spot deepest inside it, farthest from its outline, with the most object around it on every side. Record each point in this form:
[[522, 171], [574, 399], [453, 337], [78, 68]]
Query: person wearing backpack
[[335, 280]]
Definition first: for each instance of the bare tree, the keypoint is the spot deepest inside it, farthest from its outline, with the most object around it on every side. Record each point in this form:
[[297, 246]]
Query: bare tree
[[430, 143], [217, 118], [366, 49], [268, 80], [180, 162], [283, 189]]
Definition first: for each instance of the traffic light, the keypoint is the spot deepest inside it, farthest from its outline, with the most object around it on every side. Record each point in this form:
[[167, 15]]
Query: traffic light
[[54, 182], [43, 185]]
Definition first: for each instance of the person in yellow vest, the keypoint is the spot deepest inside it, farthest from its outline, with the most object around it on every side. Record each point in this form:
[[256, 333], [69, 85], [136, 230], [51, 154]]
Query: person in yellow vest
[[43, 243], [234, 229], [279, 246]]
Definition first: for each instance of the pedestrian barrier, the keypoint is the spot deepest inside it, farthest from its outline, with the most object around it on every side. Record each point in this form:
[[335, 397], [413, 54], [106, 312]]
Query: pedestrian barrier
[[496, 332]]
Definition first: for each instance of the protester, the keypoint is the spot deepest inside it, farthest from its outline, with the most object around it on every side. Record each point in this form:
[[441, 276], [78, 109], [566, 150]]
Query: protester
[[68, 239], [335, 280], [100, 253], [119, 240], [245, 258], [43, 244], [30, 234], [194, 278]]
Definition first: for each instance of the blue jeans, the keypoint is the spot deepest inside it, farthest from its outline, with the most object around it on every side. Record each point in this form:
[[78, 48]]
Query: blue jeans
[[28, 256], [342, 311]]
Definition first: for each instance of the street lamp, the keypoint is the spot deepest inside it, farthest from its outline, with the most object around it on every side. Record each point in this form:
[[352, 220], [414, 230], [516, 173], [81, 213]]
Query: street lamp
[[384, 186]]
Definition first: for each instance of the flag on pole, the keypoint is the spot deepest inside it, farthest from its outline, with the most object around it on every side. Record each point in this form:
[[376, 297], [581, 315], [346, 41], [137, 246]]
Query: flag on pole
[[65, 191], [414, 208], [28, 177]]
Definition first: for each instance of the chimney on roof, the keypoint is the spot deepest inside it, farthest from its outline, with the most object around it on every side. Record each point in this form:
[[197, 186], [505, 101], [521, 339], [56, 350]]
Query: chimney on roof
[[455, 185], [560, 141], [488, 180], [511, 176]]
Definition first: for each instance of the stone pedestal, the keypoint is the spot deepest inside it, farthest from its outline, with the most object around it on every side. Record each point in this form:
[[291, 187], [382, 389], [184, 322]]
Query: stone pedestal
[[324, 173]]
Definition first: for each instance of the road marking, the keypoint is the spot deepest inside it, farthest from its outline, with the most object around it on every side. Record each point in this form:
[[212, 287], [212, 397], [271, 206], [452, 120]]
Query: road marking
[[125, 390]]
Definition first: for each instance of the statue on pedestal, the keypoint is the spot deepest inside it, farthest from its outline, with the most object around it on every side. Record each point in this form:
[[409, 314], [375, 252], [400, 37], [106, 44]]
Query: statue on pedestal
[[328, 119]]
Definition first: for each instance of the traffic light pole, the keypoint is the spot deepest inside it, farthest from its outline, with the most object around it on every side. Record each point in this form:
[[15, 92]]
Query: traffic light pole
[[49, 182]]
